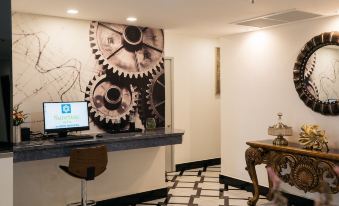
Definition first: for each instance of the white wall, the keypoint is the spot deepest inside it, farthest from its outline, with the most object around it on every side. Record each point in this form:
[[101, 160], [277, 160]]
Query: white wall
[[196, 108], [40, 183], [6, 181], [257, 72], [52, 42]]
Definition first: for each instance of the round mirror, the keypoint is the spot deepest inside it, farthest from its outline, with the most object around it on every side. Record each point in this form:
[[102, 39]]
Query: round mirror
[[316, 73]]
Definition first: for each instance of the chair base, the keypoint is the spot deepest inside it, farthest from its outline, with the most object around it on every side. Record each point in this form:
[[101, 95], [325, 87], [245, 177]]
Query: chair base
[[88, 203]]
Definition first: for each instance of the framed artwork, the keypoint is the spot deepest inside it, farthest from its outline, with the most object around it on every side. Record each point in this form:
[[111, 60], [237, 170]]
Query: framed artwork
[[217, 70]]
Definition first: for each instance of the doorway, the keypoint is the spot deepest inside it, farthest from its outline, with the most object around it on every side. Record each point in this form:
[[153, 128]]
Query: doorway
[[169, 151]]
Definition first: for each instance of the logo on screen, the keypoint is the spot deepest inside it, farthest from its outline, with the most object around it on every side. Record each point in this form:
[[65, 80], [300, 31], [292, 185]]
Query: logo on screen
[[66, 108]]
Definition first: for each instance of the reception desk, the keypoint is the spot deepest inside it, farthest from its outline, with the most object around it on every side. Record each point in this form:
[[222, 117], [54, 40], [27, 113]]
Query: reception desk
[[5, 149], [136, 164], [6, 175], [47, 149]]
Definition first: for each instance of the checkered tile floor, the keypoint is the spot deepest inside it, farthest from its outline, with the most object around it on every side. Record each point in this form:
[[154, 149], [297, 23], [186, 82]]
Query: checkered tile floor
[[200, 187]]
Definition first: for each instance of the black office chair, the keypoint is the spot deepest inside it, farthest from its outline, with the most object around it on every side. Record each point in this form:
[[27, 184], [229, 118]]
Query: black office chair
[[86, 164]]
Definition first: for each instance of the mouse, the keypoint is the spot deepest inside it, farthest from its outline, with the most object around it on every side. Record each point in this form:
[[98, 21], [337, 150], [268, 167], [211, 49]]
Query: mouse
[[99, 135]]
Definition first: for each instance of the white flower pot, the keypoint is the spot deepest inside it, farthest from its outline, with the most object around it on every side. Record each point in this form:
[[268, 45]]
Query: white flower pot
[[16, 134]]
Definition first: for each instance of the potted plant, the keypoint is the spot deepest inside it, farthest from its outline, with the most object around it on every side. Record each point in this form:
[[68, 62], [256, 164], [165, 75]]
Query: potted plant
[[18, 118]]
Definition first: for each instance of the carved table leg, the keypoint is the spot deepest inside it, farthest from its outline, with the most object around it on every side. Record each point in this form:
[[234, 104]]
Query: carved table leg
[[254, 156], [269, 195]]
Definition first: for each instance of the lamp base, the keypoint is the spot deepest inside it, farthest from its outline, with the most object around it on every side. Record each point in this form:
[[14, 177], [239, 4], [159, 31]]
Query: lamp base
[[280, 140]]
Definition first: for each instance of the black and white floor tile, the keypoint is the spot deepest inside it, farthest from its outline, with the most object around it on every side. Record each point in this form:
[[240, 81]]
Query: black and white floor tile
[[200, 187]]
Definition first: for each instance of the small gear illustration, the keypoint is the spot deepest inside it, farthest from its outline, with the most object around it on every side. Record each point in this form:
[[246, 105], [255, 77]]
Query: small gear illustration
[[110, 99], [66, 108], [129, 50], [156, 95]]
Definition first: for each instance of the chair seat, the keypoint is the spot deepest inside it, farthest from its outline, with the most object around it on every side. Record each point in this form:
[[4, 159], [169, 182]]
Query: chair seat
[[66, 169], [90, 173]]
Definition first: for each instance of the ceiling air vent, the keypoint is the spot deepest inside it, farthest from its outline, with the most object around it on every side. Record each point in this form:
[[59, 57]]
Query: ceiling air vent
[[277, 18]]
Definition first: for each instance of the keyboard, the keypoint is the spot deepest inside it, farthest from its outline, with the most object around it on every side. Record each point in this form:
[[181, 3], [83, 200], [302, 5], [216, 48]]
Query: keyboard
[[123, 131], [73, 137]]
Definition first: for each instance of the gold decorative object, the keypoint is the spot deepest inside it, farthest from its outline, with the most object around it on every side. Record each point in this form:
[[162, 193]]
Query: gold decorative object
[[280, 130], [311, 137]]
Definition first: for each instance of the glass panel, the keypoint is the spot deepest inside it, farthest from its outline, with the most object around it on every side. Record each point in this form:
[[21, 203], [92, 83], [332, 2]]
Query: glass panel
[[169, 152], [5, 73]]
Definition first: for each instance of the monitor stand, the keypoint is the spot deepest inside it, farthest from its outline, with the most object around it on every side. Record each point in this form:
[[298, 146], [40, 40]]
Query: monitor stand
[[62, 134]]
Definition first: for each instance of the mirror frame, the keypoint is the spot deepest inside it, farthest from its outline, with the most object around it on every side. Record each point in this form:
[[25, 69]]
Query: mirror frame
[[317, 42]]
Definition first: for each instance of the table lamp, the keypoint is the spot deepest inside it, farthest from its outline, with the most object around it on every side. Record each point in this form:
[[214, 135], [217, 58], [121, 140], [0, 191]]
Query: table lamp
[[280, 130]]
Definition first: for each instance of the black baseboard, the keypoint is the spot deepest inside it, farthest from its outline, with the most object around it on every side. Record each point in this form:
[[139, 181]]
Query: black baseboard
[[292, 199], [198, 164], [135, 198]]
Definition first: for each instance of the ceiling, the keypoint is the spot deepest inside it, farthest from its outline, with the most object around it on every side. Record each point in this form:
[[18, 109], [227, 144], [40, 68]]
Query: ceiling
[[197, 17]]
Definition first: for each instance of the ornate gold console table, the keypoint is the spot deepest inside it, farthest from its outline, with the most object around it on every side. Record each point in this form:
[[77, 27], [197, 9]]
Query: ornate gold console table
[[304, 169]]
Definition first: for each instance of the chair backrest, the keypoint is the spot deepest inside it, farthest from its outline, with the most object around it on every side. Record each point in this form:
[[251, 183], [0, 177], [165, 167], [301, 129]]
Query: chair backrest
[[89, 162]]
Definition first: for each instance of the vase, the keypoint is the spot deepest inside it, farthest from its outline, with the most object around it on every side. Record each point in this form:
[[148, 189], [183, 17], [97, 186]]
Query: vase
[[16, 134], [150, 123]]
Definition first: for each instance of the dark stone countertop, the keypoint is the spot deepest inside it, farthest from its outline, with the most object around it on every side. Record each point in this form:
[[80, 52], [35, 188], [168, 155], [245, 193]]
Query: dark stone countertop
[[6, 154], [47, 149], [6, 150]]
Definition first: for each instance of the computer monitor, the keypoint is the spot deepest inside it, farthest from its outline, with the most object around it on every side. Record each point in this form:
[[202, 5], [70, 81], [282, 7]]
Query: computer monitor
[[63, 117]]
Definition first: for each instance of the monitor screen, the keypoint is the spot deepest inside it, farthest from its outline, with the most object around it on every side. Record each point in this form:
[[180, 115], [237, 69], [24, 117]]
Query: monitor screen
[[65, 116]]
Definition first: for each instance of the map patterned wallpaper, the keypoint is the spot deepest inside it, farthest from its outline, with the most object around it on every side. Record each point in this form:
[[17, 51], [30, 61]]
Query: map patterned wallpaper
[[118, 69]]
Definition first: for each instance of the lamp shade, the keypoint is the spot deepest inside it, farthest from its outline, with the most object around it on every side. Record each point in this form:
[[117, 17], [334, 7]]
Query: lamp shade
[[286, 131], [280, 129]]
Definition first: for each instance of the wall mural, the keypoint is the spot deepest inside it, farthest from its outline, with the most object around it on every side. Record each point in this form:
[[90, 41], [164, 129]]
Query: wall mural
[[118, 69], [128, 55]]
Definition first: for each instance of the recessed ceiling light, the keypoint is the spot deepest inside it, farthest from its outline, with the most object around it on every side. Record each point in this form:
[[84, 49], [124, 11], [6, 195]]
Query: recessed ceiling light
[[131, 19], [72, 11]]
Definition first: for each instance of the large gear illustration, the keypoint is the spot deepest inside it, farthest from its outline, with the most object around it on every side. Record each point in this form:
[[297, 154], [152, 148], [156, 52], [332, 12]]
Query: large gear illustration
[[156, 95], [110, 99], [129, 50]]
